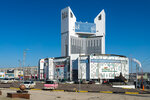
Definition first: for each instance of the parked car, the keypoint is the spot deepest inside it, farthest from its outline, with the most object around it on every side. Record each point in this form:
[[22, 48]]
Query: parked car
[[29, 84], [13, 80], [50, 84], [91, 82], [6, 80], [69, 82], [147, 84], [96, 82], [76, 82]]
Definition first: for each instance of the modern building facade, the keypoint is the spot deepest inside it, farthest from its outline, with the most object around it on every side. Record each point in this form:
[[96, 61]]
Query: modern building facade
[[81, 38], [83, 52]]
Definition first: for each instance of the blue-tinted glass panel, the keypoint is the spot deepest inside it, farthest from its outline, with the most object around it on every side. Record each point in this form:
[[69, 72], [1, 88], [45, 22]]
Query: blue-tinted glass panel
[[85, 27]]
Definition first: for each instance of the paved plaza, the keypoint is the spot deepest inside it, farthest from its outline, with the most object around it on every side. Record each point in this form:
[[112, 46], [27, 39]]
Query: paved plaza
[[51, 95]]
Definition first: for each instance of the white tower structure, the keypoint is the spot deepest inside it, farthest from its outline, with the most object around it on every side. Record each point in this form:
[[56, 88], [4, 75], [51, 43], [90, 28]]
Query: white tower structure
[[81, 38]]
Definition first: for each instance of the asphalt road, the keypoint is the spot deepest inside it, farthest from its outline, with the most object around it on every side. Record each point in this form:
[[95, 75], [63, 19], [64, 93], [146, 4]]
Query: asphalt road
[[84, 87], [47, 95]]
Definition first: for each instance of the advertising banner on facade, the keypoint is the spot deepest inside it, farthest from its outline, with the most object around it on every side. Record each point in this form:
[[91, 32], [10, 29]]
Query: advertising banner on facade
[[108, 68], [9, 75], [59, 73], [2, 74], [60, 65]]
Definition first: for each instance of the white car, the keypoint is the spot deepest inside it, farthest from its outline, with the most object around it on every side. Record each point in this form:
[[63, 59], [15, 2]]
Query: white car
[[69, 82], [97, 82], [6, 80], [29, 84]]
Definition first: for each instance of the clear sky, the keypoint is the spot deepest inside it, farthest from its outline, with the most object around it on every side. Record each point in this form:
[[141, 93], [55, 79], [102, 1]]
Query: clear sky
[[35, 25]]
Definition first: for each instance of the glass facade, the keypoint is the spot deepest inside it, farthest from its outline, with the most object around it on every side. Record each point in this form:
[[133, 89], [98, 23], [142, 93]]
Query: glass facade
[[85, 45], [85, 27]]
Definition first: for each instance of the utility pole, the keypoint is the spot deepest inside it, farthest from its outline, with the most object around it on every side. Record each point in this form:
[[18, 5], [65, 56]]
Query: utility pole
[[131, 69], [131, 65], [142, 79], [24, 57], [79, 74], [80, 69], [137, 69], [136, 75], [20, 68]]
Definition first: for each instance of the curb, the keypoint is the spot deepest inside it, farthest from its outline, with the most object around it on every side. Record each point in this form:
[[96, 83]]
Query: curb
[[59, 90], [106, 92], [14, 88], [82, 91], [131, 92]]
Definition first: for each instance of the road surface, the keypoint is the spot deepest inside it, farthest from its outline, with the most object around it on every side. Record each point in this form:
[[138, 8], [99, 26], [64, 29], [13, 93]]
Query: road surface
[[51, 95]]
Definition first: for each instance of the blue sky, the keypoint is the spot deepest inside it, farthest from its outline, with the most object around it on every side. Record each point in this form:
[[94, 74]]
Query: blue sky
[[35, 24]]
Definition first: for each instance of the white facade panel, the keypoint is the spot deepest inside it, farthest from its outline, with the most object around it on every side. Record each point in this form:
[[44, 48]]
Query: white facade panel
[[42, 64], [83, 68], [41, 69], [51, 69]]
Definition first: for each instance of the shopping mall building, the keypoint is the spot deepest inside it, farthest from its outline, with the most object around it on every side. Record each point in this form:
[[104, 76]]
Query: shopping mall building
[[83, 52]]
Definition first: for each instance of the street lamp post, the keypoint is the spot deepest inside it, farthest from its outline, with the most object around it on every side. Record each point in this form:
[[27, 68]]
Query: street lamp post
[[142, 79], [79, 74], [20, 68], [137, 69], [136, 76], [24, 57]]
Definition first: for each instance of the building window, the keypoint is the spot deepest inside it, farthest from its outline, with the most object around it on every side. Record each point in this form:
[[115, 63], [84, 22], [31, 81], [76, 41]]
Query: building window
[[64, 15], [99, 17], [71, 42], [87, 43], [71, 15]]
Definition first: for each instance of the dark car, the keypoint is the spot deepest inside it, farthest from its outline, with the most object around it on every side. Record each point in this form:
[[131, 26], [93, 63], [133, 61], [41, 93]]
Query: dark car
[[147, 84], [91, 82]]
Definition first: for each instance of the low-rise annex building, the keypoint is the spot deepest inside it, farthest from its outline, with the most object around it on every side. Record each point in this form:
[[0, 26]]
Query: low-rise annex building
[[30, 72], [87, 67]]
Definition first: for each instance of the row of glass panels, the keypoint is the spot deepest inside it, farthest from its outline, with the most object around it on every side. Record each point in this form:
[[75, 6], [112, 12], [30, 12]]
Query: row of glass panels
[[85, 27]]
